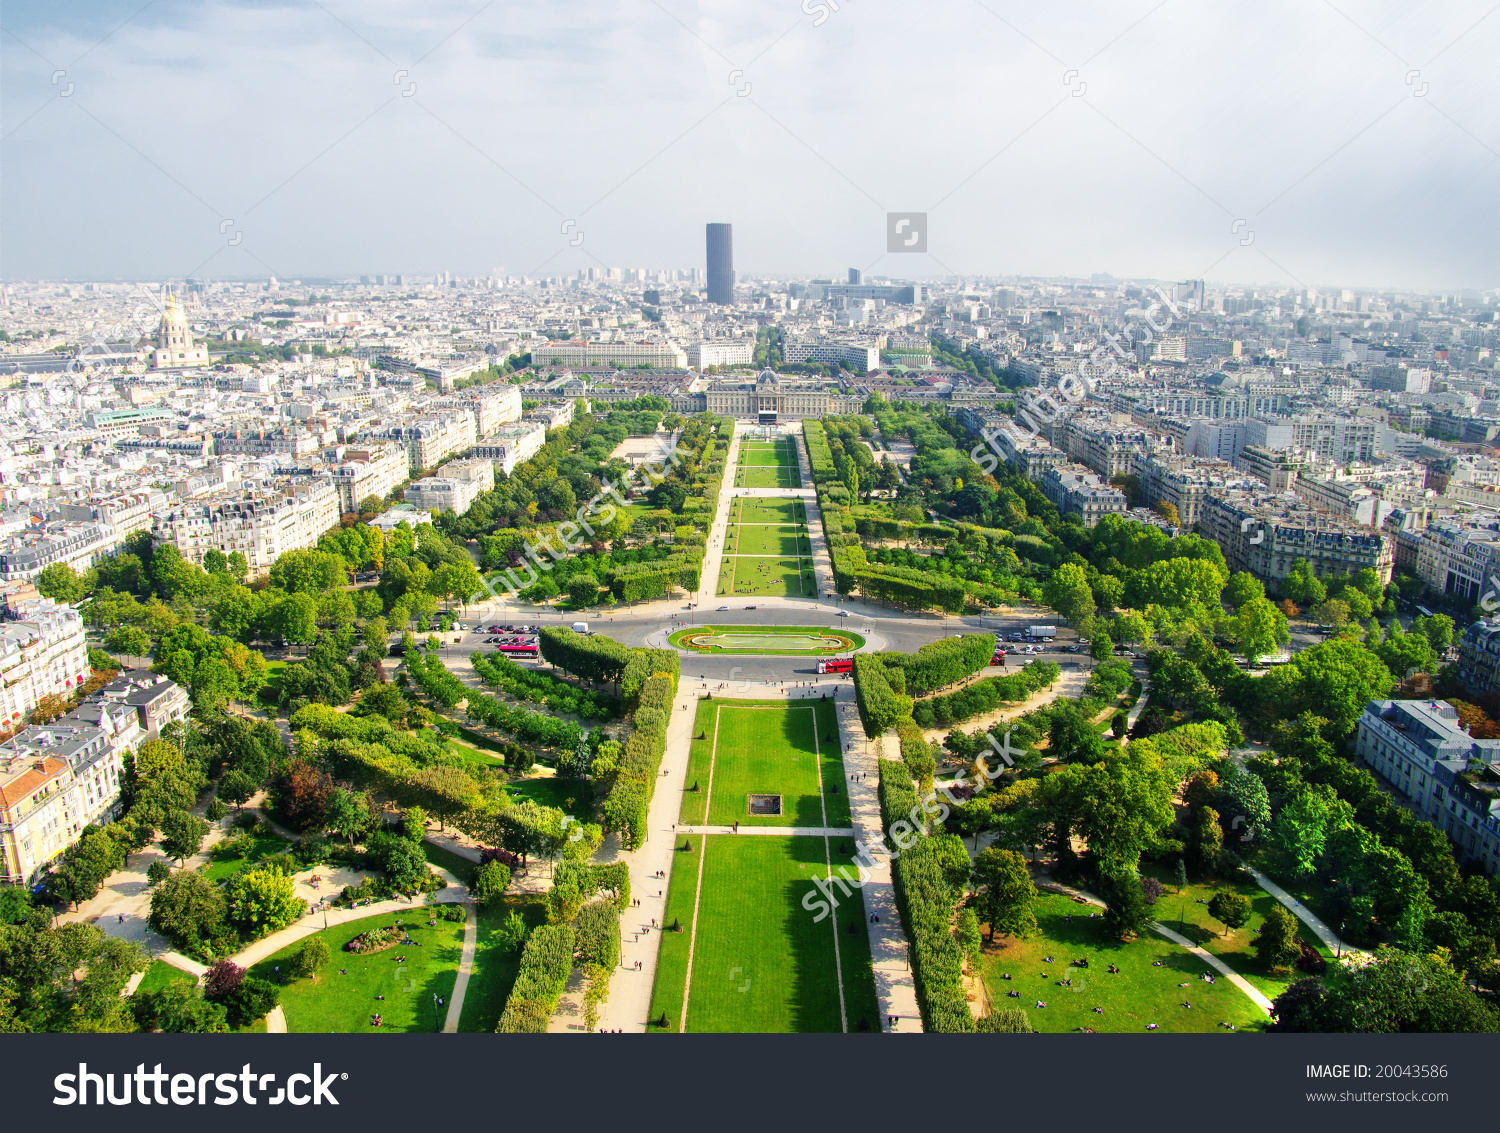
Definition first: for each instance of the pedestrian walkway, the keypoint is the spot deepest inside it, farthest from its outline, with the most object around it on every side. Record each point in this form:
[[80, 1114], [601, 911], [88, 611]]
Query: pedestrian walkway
[[183, 963], [1329, 938], [1217, 965], [465, 968], [785, 831], [1208, 958], [276, 1021], [889, 949]]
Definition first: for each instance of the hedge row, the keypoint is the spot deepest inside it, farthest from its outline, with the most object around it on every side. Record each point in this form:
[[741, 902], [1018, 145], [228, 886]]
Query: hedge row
[[627, 798], [984, 696], [642, 663], [880, 693], [595, 658], [926, 903], [538, 687], [943, 662], [546, 963], [523, 723]]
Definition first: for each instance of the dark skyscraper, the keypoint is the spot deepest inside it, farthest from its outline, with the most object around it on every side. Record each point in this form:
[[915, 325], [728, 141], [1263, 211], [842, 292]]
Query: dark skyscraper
[[721, 263]]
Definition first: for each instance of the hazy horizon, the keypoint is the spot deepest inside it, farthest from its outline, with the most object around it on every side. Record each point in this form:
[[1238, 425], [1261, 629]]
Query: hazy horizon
[[1359, 144]]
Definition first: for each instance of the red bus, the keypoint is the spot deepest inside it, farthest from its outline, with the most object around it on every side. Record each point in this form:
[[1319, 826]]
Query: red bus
[[837, 665], [518, 649], [998, 658]]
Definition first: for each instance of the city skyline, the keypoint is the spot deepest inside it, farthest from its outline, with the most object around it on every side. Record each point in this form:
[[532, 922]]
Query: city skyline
[[339, 142]]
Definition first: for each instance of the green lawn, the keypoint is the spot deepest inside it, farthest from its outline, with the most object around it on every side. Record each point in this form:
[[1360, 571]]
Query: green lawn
[[761, 963], [456, 864], [258, 845], [1140, 994], [764, 577], [161, 974], [1183, 913], [549, 791], [747, 539], [495, 962], [343, 997], [759, 477], [766, 750], [748, 509], [795, 641]]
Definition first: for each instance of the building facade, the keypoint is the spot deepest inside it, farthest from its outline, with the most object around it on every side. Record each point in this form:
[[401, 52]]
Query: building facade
[[260, 522], [1449, 778], [1266, 534], [43, 655], [462, 482]]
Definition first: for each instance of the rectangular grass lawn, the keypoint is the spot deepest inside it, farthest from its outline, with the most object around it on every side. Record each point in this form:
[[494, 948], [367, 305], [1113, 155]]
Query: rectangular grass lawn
[[343, 997], [496, 962], [765, 748], [1140, 994], [756, 576], [752, 509], [760, 963], [765, 539], [768, 478]]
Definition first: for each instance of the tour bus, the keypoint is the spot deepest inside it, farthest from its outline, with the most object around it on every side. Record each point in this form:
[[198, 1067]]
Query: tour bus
[[837, 665], [518, 649], [998, 658]]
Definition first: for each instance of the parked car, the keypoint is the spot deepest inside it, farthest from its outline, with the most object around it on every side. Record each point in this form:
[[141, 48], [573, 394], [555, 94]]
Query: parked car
[[723, 608], [749, 607], [1072, 649]]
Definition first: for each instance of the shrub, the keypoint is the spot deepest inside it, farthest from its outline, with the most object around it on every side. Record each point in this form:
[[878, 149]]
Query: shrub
[[491, 880], [249, 1001]]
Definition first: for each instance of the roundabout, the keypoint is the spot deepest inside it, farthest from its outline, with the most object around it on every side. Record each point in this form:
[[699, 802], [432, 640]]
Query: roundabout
[[798, 641]]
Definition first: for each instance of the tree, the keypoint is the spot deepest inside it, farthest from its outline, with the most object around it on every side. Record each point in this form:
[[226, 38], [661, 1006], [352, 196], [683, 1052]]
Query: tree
[[347, 814], [1068, 592], [297, 618], [222, 978], [313, 955], [1336, 679], [187, 909], [1244, 803], [489, 884], [1302, 586], [1179, 876], [251, 1000], [1101, 648], [1072, 736], [446, 792], [182, 833], [214, 561], [1126, 912], [132, 641], [237, 787], [60, 582], [1259, 628], [402, 860], [1242, 587], [179, 1009], [1205, 840], [263, 900], [298, 794], [1230, 909], [1004, 893], [1279, 943], [239, 567], [1331, 612], [583, 589], [974, 818], [1301, 830], [1397, 992]]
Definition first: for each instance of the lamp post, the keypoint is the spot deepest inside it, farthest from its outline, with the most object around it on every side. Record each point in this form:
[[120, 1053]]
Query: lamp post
[[1340, 954]]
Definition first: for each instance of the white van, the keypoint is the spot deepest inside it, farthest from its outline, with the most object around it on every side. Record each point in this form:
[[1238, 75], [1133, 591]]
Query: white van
[[581, 627]]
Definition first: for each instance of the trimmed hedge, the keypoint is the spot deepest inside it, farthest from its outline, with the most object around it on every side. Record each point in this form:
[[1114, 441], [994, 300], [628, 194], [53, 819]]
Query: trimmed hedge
[[546, 963], [926, 902], [984, 696], [881, 702], [943, 662], [595, 658]]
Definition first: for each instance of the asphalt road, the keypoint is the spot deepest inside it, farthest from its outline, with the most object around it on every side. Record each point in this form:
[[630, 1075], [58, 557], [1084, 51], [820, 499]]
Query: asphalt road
[[889, 630]]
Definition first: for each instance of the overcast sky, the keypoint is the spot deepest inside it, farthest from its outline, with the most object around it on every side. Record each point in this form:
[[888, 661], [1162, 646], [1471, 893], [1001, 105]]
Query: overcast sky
[[1279, 142]]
